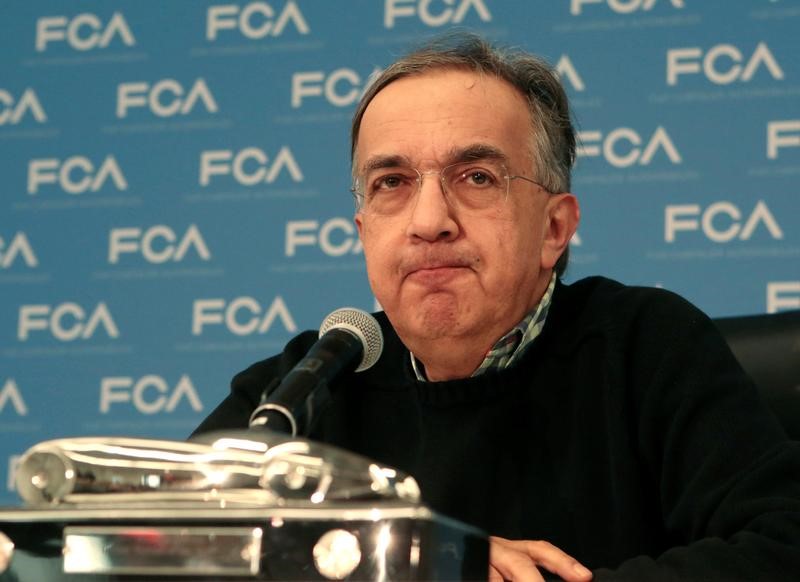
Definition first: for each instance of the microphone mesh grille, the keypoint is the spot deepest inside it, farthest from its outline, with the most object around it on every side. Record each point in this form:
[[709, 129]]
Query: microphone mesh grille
[[361, 324]]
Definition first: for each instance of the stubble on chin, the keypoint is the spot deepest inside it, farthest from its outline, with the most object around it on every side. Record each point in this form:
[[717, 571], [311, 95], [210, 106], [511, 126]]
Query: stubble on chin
[[434, 317]]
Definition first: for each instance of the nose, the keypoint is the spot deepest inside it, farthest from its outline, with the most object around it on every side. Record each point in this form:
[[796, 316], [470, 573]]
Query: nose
[[433, 217]]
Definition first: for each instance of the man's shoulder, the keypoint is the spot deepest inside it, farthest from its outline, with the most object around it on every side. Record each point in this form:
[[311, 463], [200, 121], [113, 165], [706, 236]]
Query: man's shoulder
[[599, 302], [278, 365], [597, 291]]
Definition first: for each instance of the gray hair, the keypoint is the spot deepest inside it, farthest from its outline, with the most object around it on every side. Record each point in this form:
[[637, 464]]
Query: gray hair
[[552, 135]]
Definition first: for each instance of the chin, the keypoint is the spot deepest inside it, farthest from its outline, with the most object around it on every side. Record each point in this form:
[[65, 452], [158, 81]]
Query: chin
[[437, 319], [429, 316]]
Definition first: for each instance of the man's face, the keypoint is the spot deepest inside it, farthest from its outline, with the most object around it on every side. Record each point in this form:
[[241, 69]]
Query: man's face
[[440, 272]]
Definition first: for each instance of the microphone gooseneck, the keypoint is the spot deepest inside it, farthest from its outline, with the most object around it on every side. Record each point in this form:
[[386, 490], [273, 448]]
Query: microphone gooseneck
[[349, 340]]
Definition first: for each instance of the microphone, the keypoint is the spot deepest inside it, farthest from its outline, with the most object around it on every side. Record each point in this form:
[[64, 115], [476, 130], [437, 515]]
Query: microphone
[[349, 340]]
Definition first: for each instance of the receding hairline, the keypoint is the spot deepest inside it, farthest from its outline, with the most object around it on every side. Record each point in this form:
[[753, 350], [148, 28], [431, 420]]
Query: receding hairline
[[454, 155], [487, 150]]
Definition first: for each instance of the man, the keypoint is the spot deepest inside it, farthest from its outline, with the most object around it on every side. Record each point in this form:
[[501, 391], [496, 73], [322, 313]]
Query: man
[[611, 422]]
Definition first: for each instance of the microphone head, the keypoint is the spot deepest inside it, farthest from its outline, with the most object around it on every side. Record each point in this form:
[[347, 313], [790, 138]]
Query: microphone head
[[362, 325]]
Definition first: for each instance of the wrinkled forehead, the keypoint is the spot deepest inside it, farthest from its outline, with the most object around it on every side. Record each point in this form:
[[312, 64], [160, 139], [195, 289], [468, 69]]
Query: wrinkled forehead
[[455, 155], [446, 116]]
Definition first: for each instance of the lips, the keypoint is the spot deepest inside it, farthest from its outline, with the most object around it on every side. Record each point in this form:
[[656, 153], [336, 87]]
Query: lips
[[436, 275], [436, 269]]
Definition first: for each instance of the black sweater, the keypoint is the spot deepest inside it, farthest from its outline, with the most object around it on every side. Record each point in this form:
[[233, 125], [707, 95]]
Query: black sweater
[[627, 435]]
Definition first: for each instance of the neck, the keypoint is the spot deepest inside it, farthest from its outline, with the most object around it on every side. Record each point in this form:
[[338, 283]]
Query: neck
[[453, 357], [440, 366]]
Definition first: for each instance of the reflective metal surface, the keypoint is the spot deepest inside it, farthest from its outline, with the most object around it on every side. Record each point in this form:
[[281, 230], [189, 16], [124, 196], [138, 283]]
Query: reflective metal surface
[[159, 550], [224, 469], [337, 554], [396, 541], [233, 506]]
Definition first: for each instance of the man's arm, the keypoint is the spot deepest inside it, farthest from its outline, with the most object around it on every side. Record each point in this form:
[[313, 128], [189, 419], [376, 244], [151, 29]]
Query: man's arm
[[247, 386], [727, 478]]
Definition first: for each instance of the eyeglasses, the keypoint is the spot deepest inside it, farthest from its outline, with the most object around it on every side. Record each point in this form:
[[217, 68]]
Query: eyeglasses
[[470, 186]]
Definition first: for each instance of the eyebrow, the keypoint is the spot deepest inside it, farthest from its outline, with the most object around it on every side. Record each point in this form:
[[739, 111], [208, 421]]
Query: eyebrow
[[476, 151], [469, 153], [391, 161]]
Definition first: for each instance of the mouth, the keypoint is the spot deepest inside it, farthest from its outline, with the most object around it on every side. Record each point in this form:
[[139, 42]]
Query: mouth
[[436, 273]]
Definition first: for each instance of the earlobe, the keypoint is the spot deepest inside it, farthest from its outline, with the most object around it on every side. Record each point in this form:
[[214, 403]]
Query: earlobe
[[359, 225], [562, 216]]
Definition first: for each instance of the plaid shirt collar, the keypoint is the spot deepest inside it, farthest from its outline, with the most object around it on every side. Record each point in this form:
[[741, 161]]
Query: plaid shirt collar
[[513, 344]]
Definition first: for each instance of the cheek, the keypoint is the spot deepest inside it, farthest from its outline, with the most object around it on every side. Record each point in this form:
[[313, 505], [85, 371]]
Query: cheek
[[378, 255], [516, 256]]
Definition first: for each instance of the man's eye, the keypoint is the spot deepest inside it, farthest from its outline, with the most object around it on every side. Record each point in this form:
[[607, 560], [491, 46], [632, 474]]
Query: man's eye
[[389, 182], [478, 177]]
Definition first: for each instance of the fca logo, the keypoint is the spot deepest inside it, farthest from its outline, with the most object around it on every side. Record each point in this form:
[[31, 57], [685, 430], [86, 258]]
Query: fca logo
[[782, 134], [622, 147], [148, 394], [66, 322], [12, 111], [336, 237], [18, 247], [166, 98], [683, 217], [256, 20], [567, 72], [341, 87], [156, 244], [455, 12], [721, 64], [74, 175], [783, 295], [241, 316], [620, 6], [83, 33], [10, 394], [226, 162]]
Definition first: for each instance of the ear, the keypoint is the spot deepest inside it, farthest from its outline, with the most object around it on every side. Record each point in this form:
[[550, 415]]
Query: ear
[[359, 225], [562, 214]]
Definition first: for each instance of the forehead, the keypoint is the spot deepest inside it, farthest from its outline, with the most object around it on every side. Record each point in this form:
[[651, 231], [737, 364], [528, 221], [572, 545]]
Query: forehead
[[430, 115]]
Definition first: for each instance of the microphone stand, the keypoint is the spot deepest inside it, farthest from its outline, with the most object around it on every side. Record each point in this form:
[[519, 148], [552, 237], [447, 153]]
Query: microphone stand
[[289, 406]]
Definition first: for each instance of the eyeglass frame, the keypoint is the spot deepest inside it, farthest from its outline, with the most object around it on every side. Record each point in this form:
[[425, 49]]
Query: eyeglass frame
[[421, 176]]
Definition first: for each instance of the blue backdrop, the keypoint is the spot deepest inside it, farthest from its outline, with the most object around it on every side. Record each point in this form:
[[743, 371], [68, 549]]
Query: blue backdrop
[[174, 179]]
